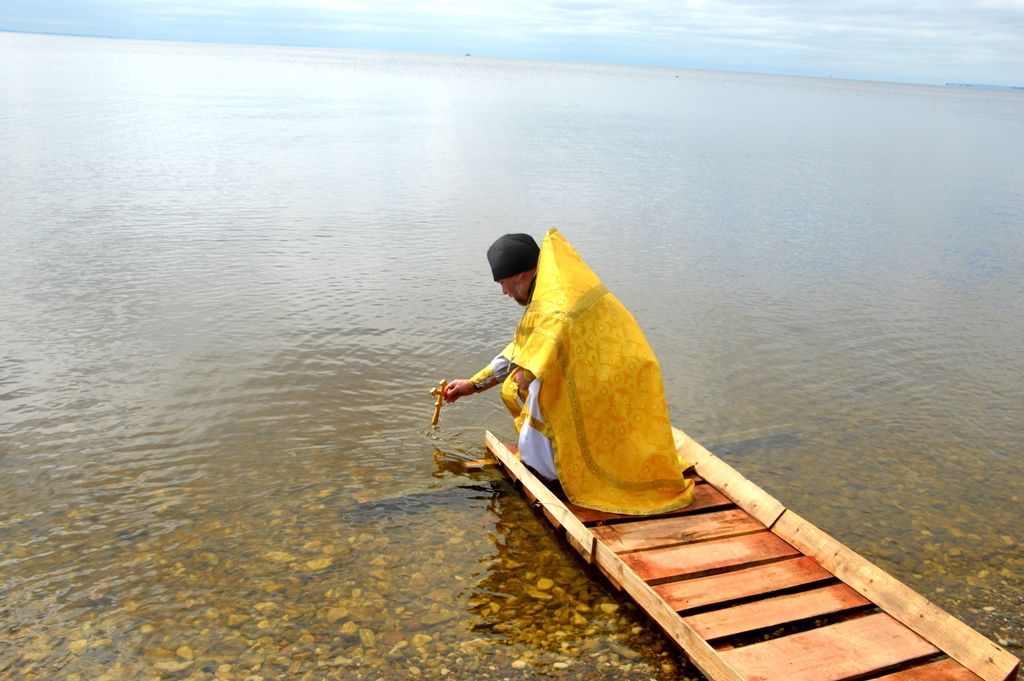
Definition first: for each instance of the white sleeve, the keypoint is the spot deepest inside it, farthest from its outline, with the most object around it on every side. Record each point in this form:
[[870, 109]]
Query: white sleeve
[[501, 367]]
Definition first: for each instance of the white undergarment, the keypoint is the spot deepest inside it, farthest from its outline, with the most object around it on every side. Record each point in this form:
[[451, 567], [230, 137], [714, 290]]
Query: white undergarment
[[535, 450]]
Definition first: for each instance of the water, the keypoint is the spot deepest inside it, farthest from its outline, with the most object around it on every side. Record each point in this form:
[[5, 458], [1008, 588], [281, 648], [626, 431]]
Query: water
[[232, 274]]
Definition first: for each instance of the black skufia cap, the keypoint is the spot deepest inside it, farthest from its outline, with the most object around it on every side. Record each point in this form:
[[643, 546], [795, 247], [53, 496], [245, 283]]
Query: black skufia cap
[[512, 254]]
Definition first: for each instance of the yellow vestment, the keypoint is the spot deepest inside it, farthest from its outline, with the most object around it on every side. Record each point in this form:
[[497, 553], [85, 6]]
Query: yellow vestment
[[601, 395]]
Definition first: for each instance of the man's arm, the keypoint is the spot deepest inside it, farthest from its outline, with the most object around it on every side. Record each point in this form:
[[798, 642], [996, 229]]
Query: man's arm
[[488, 377]]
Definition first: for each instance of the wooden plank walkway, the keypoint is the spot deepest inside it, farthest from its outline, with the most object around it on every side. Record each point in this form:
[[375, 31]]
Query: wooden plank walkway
[[752, 592]]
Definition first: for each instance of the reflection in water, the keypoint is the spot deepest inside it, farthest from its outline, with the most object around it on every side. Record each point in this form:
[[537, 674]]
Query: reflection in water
[[546, 609], [324, 582]]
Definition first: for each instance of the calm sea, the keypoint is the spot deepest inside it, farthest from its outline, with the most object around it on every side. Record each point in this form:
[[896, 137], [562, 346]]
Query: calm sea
[[230, 275]]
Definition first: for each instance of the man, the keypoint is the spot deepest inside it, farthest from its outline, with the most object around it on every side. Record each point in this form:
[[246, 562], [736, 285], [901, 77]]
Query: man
[[582, 383]]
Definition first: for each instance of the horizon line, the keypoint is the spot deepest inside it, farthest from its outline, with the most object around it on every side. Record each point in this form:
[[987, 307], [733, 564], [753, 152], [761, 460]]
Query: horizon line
[[947, 84]]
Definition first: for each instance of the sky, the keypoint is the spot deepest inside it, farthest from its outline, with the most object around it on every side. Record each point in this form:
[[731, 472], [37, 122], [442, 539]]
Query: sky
[[912, 41]]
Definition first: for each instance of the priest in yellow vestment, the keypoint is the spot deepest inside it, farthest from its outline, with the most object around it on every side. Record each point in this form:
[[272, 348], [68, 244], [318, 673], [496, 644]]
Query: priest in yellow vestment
[[583, 384]]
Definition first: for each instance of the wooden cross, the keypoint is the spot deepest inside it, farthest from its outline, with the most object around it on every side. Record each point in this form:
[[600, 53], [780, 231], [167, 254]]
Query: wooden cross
[[439, 393]]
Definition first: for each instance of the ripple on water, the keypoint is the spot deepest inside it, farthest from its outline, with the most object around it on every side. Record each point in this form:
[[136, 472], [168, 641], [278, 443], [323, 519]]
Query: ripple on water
[[221, 319]]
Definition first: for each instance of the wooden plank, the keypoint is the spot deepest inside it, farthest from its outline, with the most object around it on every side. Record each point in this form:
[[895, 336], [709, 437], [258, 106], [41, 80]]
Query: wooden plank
[[697, 650], [839, 651], [693, 559], [649, 534], [702, 655], [728, 480], [704, 497], [581, 538], [772, 612], [716, 665], [983, 657], [728, 586], [943, 670], [476, 464]]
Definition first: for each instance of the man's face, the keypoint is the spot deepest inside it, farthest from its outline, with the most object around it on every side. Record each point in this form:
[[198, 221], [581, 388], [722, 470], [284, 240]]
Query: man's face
[[518, 286]]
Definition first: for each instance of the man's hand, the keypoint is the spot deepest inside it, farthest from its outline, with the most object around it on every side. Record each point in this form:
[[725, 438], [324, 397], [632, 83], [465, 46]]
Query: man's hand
[[522, 379], [458, 388]]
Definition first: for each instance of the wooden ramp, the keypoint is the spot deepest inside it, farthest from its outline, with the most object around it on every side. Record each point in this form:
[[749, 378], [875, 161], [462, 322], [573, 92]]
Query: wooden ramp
[[751, 591]]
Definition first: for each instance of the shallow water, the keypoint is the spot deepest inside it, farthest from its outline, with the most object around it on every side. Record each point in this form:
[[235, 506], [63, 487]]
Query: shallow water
[[232, 274]]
